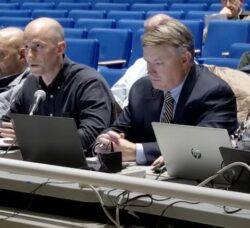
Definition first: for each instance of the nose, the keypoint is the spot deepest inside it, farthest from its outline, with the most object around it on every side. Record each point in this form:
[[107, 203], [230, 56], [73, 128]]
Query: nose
[[28, 53], [150, 68]]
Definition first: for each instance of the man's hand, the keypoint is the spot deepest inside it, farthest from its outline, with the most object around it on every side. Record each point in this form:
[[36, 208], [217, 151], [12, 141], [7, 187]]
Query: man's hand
[[158, 162], [119, 143], [7, 130], [226, 11]]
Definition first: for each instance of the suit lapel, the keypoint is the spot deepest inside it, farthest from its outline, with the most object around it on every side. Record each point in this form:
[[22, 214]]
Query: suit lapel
[[153, 102], [185, 93]]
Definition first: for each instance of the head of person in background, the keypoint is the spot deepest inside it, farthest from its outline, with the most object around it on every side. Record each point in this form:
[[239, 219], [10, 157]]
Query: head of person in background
[[233, 9], [138, 70], [169, 53], [44, 48], [12, 59]]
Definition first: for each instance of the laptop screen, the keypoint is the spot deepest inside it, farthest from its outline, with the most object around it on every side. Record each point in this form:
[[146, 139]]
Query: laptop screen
[[50, 140], [191, 152]]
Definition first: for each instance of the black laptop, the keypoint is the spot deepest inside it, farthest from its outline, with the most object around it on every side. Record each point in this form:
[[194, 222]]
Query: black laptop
[[238, 176], [50, 140]]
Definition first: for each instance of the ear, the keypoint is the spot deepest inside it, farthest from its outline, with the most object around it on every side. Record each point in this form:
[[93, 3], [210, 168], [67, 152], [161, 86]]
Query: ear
[[187, 57], [61, 47], [21, 53]]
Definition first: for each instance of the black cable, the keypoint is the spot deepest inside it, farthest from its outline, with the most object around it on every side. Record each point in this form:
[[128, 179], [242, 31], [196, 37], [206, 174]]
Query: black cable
[[232, 211], [17, 211], [8, 149], [170, 205]]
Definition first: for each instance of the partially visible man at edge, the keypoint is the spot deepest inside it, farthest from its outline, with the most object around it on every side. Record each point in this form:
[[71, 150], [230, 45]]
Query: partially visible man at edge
[[73, 90], [13, 66]]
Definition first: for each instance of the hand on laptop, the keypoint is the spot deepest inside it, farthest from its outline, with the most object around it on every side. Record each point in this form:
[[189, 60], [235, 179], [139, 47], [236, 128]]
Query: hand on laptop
[[158, 162], [7, 130], [119, 143]]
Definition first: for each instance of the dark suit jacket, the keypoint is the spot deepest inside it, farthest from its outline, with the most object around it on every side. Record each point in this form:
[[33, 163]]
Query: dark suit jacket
[[205, 100]]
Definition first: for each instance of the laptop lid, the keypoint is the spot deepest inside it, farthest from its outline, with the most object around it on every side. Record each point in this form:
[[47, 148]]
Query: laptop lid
[[239, 177], [190, 152], [50, 140]]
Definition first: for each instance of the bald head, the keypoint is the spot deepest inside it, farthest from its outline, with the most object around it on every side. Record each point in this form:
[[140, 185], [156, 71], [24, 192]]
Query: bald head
[[46, 28], [12, 59], [44, 47], [155, 20]]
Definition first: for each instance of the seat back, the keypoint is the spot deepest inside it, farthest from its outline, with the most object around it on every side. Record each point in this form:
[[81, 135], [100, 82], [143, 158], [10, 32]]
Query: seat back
[[14, 21], [115, 44], [237, 49], [218, 40], [77, 14], [73, 6], [94, 23], [178, 14], [121, 14], [49, 13], [150, 6], [196, 28], [15, 13], [76, 33], [84, 51], [111, 6], [37, 5]]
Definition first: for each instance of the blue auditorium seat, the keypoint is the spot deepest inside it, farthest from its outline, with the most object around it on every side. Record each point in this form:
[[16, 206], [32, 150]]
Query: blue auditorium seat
[[66, 22], [196, 28], [49, 13], [119, 14], [134, 25], [111, 75], [76, 33], [89, 23], [14, 21], [9, 6], [22, 1], [73, 6], [237, 49], [223, 62], [149, 6], [111, 6], [222, 34], [37, 5], [198, 15], [136, 50], [76, 14], [175, 14], [84, 51], [58, 1], [115, 44], [15, 13], [215, 7], [188, 6]]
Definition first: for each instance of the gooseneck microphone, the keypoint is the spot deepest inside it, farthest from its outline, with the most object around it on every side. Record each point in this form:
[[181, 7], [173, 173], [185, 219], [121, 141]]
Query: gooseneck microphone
[[39, 96]]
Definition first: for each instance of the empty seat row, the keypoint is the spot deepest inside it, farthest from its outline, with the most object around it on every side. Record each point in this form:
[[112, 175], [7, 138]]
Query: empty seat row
[[115, 6], [114, 14]]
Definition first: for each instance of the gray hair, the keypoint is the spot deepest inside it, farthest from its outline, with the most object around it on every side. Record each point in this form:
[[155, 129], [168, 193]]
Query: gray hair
[[171, 32]]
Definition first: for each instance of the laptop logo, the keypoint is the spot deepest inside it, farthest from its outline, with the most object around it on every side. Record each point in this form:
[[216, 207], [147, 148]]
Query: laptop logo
[[196, 153]]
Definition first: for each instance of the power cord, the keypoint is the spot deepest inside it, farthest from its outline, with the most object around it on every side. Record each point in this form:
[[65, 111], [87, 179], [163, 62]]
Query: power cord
[[8, 148]]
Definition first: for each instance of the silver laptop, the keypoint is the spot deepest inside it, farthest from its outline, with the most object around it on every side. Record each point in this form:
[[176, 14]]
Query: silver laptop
[[191, 152], [50, 140]]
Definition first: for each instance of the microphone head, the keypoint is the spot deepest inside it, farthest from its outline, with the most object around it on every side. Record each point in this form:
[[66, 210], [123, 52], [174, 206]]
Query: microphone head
[[40, 93]]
